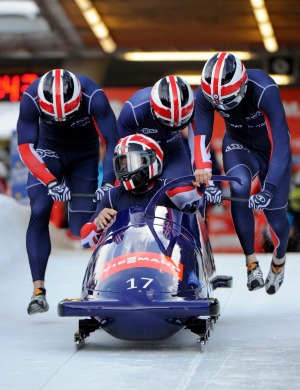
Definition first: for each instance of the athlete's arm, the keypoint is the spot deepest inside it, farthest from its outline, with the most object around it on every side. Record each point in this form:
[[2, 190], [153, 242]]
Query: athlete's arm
[[105, 124], [28, 135], [184, 196], [203, 129], [91, 232], [273, 111]]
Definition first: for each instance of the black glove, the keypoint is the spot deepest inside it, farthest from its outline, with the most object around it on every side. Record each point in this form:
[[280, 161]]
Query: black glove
[[213, 194], [260, 200], [59, 191], [100, 192]]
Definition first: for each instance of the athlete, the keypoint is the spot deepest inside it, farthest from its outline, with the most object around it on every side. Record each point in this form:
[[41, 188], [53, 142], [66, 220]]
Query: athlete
[[62, 118], [256, 143], [162, 112], [138, 163]]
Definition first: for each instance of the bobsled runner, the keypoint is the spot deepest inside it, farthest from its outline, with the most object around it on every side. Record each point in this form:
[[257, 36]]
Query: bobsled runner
[[151, 275]]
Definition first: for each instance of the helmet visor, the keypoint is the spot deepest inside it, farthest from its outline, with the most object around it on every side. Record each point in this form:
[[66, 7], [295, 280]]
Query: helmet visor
[[230, 102], [131, 162]]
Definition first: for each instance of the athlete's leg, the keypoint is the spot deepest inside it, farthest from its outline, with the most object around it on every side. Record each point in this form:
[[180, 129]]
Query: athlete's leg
[[38, 243], [277, 217], [240, 161], [280, 230], [37, 237], [83, 178]]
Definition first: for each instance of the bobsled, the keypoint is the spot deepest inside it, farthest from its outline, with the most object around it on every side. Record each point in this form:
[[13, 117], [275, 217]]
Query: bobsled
[[151, 275]]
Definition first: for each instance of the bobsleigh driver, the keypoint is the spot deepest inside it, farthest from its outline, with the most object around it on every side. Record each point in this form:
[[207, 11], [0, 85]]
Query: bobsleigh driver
[[138, 163]]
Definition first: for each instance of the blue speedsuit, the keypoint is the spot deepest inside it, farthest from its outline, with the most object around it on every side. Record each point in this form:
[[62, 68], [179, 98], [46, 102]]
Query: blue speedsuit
[[256, 143], [67, 152]]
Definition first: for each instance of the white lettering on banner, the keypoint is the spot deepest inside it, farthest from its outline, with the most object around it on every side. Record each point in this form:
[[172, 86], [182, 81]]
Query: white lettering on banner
[[292, 109], [135, 259]]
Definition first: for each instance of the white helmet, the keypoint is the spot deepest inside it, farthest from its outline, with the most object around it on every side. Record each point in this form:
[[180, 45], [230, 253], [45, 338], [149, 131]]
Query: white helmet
[[138, 160], [59, 95], [224, 80], [172, 102]]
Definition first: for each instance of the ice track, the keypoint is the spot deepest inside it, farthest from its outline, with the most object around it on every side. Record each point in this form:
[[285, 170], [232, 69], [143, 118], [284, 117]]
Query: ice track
[[254, 345]]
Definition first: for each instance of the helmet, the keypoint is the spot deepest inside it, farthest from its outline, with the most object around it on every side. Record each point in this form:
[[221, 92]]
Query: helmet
[[224, 80], [59, 95], [138, 159], [172, 102]]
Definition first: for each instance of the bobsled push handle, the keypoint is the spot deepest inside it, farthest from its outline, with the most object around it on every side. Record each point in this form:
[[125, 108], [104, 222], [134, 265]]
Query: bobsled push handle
[[235, 199], [150, 209], [82, 195], [226, 178]]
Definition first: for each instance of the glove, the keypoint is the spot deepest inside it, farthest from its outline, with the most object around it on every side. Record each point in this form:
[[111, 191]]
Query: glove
[[260, 200], [100, 192], [59, 191], [213, 194]]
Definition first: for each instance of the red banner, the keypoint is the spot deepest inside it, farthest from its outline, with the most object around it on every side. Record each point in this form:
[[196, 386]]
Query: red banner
[[291, 102], [290, 97]]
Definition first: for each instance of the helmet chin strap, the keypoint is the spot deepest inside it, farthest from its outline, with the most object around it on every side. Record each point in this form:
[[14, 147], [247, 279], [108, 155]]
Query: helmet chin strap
[[145, 187]]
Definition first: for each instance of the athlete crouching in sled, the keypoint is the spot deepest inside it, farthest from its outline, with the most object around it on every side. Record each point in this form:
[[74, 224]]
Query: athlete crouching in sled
[[256, 143], [138, 161]]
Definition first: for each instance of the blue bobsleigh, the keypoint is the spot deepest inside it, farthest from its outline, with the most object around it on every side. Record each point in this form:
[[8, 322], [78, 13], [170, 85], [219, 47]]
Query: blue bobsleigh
[[150, 276]]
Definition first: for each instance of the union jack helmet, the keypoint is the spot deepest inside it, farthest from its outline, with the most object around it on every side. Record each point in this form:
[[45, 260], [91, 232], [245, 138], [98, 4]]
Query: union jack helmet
[[172, 102], [138, 159], [224, 80], [59, 95]]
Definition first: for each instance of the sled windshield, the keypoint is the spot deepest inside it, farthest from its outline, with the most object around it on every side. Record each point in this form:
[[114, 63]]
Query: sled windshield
[[134, 244]]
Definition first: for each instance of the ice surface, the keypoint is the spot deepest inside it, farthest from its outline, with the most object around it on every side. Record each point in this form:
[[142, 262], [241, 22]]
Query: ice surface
[[254, 345]]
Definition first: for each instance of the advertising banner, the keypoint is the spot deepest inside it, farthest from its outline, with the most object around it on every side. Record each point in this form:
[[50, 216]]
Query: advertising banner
[[291, 102]]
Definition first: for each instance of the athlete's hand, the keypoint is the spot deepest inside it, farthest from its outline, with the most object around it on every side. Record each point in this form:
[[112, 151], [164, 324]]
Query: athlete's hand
[[213, 194], [260, 200], [201, 176], [59, 192], [100, 192], [105, 218]]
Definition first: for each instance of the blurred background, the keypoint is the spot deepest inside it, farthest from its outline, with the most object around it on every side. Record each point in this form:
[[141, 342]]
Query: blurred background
[[128, 44], [134, 43]]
